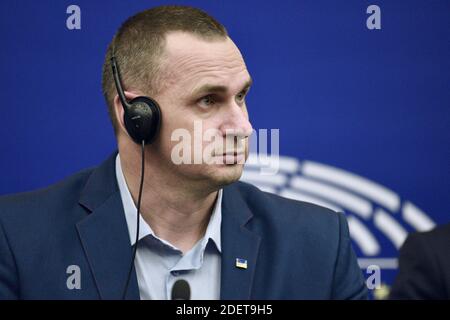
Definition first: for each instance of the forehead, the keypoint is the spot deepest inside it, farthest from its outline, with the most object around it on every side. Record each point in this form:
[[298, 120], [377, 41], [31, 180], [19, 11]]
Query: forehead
[[191, 62]]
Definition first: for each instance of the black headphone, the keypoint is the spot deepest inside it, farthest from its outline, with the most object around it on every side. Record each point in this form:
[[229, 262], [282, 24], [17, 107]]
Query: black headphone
[[142, 115]]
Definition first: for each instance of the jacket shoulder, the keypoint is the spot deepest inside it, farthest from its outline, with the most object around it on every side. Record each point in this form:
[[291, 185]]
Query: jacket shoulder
[[436, 239], [254, 194], [267, 205], [56, 197]]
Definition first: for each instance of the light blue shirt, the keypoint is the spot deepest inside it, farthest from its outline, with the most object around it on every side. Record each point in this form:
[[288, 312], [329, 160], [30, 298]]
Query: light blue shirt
[[159, 264]]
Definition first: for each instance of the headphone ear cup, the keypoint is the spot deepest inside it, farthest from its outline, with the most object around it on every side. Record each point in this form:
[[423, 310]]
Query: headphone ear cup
[[143, 119]]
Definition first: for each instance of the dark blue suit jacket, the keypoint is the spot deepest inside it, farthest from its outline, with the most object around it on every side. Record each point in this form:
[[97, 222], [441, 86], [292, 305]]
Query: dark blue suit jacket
[[294, 250]]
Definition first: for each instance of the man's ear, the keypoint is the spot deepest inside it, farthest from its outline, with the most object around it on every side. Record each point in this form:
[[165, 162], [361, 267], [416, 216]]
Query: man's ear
[[119, 111]]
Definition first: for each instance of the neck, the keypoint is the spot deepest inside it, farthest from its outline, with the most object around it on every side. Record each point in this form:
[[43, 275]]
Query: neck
[[175, 211]]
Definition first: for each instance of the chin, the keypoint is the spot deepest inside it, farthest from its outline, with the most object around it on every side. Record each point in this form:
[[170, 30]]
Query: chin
[[225, 174]]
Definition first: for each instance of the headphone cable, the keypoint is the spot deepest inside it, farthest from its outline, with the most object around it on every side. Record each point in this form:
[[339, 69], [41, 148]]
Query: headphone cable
[[137, 221]]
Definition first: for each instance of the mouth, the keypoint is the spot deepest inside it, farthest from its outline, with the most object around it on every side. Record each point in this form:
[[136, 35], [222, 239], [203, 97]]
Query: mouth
[[231, 157], [232, 153]]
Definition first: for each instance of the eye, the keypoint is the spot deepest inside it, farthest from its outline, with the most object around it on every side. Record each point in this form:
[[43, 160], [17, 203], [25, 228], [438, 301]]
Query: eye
[[240, 97], [207, 100]]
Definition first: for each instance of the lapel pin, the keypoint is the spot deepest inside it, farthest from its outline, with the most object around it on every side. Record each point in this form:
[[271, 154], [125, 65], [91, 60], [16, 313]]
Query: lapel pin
[[241, 263]]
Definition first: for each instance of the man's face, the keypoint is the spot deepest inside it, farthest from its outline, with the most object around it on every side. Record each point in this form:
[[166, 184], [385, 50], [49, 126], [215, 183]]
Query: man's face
[[204, 86]]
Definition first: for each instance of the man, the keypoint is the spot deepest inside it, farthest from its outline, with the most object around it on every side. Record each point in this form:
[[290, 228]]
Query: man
[[424, 266], [227, 239]]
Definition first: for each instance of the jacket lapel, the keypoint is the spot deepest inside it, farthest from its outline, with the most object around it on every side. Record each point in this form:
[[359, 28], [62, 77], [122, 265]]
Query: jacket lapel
[[237, 243], [104, 234]]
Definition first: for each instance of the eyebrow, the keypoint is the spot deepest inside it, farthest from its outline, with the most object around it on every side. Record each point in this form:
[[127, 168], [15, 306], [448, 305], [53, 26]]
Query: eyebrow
[[208, 88]]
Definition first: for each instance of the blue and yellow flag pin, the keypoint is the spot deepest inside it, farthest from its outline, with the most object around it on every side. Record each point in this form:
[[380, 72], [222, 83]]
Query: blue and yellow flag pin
[[241, 263]]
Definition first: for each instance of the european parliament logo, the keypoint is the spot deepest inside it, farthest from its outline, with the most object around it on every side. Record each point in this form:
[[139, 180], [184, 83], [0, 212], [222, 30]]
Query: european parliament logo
[[378, 218]]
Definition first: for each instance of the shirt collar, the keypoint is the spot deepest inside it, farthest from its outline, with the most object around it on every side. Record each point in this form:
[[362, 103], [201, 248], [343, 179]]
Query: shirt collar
[[213, 231]]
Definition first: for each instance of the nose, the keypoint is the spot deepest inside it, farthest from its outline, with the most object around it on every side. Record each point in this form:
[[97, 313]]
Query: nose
[[236, 122]]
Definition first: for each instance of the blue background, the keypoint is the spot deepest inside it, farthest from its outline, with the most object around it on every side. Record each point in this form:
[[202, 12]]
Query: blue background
[[373, 102]]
